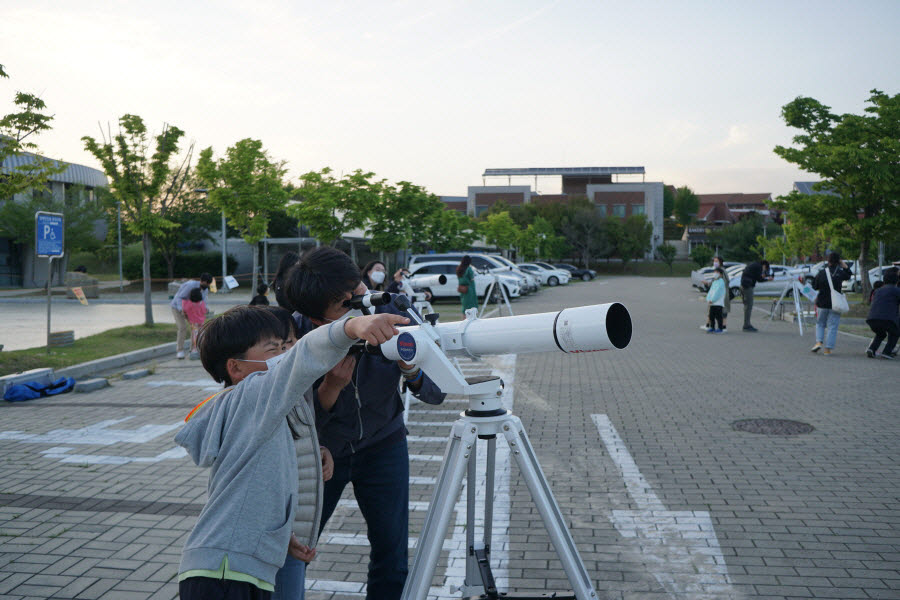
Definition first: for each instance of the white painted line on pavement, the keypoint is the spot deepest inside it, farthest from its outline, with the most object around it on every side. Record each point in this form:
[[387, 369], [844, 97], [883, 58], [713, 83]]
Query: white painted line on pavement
[[679, 547]]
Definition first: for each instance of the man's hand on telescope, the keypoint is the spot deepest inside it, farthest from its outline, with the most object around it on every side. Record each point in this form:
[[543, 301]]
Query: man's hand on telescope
[[335, 380]]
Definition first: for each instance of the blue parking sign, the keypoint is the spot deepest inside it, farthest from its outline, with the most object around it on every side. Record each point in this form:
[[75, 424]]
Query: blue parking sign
[[48, 233]]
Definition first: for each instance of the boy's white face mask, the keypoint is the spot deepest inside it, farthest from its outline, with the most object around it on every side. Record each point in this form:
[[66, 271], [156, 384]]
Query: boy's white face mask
[[270, 362]]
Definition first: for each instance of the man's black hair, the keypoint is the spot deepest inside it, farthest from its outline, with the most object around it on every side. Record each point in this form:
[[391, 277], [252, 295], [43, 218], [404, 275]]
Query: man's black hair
[[196, 295], [261, 289], [287, 261], [323, 276], [288, 323], [765, 263], [205, 278], [232, 333]]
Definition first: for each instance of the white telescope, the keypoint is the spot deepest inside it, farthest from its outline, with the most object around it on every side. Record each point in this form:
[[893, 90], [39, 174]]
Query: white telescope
[[571, 330], [424, 281]]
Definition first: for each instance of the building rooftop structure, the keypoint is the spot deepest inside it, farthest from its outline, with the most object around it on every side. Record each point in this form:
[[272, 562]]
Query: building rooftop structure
[[74, 174]]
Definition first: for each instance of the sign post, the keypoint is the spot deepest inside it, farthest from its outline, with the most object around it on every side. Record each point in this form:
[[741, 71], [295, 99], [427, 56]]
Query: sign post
[[49, 243]]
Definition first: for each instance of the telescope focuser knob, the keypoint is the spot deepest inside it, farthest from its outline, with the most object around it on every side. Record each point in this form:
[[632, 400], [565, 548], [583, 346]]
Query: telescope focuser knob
[[432, 318]]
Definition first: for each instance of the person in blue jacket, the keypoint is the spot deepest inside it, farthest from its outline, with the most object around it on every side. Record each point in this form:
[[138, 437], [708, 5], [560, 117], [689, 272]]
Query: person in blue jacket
[[715, 297], [359, 417], [883, 317]]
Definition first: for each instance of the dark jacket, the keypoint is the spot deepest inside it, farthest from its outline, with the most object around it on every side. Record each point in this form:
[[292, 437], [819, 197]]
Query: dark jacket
[[838, 276], [374, 418], [885, 304], [752, 274]]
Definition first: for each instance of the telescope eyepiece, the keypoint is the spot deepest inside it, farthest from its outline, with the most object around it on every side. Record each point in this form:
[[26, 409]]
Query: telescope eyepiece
[[361, 301]]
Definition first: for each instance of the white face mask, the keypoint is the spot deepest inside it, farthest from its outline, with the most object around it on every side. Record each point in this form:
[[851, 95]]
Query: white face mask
[[270, 362], [377, 277]]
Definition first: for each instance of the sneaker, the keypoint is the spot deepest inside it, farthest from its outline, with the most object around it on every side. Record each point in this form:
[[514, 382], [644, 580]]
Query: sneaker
[[870, 353], [180, 355], [750, 328], [195, 356], [704, 327], [718, 331], [710, 330], [827, 352], [723, 330], [886, 356], [817, 347]]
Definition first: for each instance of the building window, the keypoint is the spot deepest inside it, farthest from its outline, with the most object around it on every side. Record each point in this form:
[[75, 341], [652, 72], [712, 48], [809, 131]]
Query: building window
[[618, 210], [637, 209], [601, 210]]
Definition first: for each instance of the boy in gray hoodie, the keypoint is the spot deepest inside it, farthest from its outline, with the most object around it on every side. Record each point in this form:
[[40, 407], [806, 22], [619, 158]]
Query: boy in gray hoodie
[[243, 532]]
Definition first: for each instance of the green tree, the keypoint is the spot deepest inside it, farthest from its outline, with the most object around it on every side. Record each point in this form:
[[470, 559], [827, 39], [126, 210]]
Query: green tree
[[17, 133], [858, 159], [739, 241], [399, 216], [500, 230], [331, 207], [685, 206], [194, 217], [637, 234], [796, 244], [138, 180], [446, 231], [247, 186], [702, 255], [666, 253], [584, 232]]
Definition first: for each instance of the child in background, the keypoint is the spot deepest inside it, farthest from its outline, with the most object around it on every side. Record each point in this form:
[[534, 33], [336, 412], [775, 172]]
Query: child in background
[[715, 297], [261, 297], [194, 309], [243, 434]]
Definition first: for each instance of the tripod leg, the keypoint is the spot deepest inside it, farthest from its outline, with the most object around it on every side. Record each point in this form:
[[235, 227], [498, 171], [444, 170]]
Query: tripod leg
[[437, 519], [487, 298], [523, 452], [472, 576]]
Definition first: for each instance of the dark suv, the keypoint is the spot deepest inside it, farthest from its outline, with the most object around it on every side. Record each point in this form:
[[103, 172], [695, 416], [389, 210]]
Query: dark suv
[[583, 274]]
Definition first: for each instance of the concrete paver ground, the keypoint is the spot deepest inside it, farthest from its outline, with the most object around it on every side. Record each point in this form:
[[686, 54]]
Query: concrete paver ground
[[663, 497]]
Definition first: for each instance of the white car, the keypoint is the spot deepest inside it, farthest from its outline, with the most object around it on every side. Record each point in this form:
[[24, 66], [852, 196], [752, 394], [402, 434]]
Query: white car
[[534, 282], [548, 277], [483, 280], [783, 274], [481, 262], [854, 284], [701, 278]]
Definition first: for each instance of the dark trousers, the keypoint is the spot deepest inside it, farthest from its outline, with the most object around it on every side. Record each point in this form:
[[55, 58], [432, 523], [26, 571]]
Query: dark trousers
[[747, 294], [715, 316], [381, 486], [207, 588], [884, 328]]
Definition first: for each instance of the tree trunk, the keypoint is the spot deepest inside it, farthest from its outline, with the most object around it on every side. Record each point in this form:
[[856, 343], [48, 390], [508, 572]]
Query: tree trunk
[[862, 269], [170, 264], [255, 269], [148, 301]]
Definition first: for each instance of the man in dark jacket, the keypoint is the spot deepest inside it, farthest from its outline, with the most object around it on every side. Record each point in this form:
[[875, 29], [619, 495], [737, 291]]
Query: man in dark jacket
[[755, 272], [359, 417], [883, 315]]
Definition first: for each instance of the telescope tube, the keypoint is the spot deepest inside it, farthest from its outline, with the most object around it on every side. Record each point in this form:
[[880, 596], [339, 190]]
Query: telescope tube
[[571, 330]]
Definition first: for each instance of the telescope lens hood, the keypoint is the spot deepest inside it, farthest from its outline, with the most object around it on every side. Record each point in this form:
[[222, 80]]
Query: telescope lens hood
[[618, 325]]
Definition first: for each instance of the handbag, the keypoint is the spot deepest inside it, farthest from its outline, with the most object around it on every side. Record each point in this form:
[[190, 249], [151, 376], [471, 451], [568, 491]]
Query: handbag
[[839, 302], [462, 288]]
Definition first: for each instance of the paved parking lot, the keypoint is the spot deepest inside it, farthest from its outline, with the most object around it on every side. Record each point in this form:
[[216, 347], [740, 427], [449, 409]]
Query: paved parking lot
[[664, 498]]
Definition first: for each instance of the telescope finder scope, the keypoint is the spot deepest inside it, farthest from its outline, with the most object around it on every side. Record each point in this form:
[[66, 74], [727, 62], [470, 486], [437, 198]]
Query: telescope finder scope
[[361, 301]]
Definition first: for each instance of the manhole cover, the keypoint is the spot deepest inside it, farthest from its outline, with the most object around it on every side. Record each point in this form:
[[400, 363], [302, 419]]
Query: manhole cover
[[772, 426]]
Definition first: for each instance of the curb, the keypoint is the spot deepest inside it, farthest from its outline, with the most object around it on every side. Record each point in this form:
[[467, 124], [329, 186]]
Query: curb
[[109, 363]]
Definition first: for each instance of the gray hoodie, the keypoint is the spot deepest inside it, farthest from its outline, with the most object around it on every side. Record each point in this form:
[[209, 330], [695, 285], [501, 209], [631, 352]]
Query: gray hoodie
[[244, 437]]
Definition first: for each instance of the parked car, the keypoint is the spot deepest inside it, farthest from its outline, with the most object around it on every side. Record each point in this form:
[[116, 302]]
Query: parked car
[[854, 284], [483, 280], [551, 277], [552, 268], [701, 278], [480, 262], [783, 274], [582, 274], [534, 282]]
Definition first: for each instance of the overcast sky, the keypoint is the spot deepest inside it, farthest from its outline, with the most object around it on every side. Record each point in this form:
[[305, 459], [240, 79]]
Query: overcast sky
[[435, 92]]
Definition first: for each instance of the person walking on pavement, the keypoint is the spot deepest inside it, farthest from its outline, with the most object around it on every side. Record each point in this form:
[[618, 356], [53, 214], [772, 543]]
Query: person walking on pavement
[[184, 293], [466, 284], [827, 320], [755, 272]]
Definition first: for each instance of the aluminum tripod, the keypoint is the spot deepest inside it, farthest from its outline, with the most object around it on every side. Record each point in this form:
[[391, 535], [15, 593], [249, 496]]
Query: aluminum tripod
[[486, 419]]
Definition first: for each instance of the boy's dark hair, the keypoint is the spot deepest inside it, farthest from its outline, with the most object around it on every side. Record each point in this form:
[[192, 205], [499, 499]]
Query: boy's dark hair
[[322, 277], [205, 278], [765, 263], [232, 333], [287, 261], [288, 323], [891, 277], [261, 289], [196, 295], [719, 270]]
